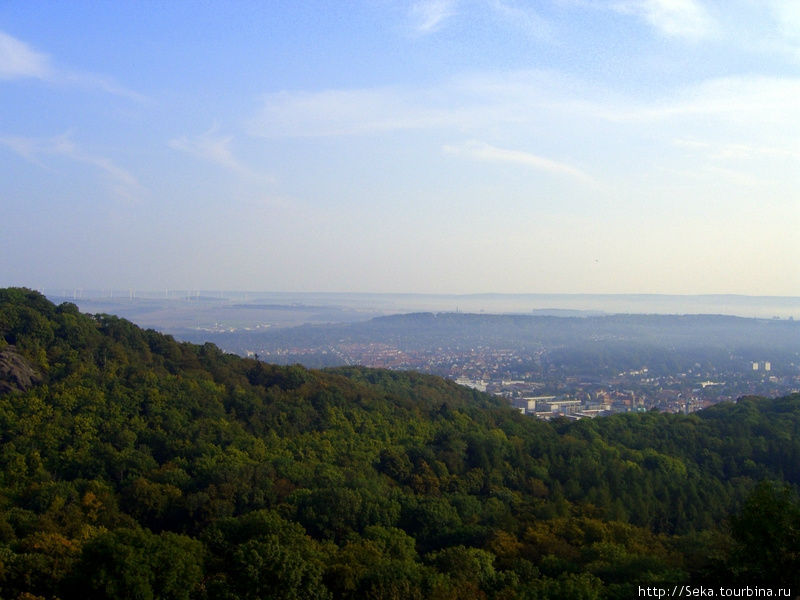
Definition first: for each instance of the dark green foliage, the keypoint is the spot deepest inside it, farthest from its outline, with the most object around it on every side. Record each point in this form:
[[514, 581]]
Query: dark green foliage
[[134, 563], [767, 537], [139, 467], [261, 555]]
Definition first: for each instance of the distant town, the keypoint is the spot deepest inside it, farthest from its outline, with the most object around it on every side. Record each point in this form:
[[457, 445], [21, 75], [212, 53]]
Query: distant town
[[577, 361], [548, 393]]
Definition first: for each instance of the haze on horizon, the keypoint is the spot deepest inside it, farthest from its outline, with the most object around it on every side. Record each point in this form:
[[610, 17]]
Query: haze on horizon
[[440, 146]]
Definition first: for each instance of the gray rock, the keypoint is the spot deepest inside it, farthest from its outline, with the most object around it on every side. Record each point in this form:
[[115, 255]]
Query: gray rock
[[16, 373]]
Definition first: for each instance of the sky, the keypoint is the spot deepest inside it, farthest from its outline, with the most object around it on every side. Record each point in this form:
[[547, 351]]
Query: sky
[[439, 146]]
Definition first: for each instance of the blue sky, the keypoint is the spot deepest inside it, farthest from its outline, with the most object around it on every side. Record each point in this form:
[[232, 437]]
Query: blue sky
[[443, 146]]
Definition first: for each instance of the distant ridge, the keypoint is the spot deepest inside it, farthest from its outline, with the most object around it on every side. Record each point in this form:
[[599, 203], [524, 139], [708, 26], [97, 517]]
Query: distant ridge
[[175, 310]]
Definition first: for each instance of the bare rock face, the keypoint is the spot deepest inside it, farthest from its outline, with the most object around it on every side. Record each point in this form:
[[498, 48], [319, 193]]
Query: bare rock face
[[16, 374]]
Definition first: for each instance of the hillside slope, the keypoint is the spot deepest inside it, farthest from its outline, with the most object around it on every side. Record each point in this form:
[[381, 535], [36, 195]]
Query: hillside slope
[[133, 466]]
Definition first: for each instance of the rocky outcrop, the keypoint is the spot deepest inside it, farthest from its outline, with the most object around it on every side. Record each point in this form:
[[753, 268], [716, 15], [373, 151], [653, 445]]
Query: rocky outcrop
[[16, 373]]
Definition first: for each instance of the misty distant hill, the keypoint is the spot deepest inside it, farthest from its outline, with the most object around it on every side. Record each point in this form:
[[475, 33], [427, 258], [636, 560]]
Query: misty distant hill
[[429, 331]]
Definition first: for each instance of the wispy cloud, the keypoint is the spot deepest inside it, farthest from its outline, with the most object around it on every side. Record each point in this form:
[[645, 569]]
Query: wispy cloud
[[523, 18], [719, 175], [37, 149], [215, 148], [93, 81], [19, 61], [518, 100], [486, 152], [787, 15], [736, 99], [464, 103], [603, 138], [737, 151], [679, 18], [429, 16], [782, 29], [349, 112]]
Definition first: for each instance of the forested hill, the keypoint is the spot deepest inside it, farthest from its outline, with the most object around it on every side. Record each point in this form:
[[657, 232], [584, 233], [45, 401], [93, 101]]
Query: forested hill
[[133, 466]]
